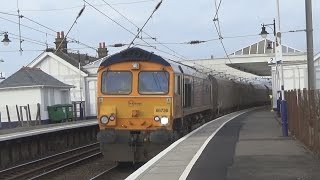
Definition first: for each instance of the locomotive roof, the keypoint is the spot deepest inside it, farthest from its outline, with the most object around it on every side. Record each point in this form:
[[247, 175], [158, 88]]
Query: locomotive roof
[[138, 54], [134, 54]]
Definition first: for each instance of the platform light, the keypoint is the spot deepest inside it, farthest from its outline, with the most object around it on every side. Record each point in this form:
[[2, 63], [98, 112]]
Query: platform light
[[281, 107], [263, 33], [6, 39]]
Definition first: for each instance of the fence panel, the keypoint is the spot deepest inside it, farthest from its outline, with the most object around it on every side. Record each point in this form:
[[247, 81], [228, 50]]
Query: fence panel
[[20, 115], [304, 117], [317, 122]]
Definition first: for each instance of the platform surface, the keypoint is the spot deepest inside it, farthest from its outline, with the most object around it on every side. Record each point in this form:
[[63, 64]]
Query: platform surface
[[19, 132], [242, 145]]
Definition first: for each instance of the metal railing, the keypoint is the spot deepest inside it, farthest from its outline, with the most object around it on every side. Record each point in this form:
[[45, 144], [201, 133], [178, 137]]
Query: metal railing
[[304, 117]]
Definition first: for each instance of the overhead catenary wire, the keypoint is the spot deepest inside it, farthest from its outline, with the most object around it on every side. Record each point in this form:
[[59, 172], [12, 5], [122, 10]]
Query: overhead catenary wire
[[218, 29], [26, 50], [74, 22], [189, 42], [194, 42], [25, 38], [19, 22], [43, 32], [25, 26], [41, 43], [155, 39], [109, 17], [74, 40], [140, 29], [128, 29], [75, 7]]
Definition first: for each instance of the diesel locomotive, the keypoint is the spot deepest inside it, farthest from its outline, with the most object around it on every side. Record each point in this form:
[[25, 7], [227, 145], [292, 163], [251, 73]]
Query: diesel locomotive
[[146, 102]]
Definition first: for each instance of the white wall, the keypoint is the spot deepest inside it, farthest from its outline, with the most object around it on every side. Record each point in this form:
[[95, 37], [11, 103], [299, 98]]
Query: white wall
[[32, 96], [20, 97], [317, 76], [295, 77], [52, 96], [64, 73], [91, 91]]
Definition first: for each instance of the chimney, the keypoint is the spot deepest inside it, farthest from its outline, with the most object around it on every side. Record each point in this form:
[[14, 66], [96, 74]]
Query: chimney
[[102, 50], [59, 39]]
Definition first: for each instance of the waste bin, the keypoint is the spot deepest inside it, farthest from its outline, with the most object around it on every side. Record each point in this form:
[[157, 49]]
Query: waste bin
[[60, 113]]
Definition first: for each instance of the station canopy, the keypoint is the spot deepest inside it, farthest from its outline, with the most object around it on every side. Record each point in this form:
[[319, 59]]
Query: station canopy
[[256, 58]]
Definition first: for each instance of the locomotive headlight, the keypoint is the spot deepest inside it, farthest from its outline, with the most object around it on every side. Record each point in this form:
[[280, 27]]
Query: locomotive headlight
[[164, 120], [112, 117], [104, 119], [135, 65], [157, 118]]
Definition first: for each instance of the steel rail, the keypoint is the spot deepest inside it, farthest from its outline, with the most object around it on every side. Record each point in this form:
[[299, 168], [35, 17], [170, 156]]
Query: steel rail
[[105, 172], [33, 166]]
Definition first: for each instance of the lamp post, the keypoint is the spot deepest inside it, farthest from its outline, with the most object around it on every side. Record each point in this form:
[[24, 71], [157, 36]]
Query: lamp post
[[1, 77], [281, 102], [6, 39], [264, 34]]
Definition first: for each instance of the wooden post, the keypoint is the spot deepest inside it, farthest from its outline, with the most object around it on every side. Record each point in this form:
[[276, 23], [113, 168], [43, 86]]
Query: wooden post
[[18, 115], [75, 110], [8, 115], [296, 109], [312, 118], [317, 122], [300, 116], [84, 109], [21, 115], [26, 109], [306, 117], [287, 95], [38, 114]]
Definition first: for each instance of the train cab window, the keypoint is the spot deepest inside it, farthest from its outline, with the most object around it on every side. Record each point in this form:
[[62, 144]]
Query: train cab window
[[153, 82], [116, 82]]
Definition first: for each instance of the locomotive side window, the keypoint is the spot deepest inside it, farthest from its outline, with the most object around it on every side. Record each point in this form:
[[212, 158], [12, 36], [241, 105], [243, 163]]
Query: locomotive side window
[[177, 85], [116, 82], [187, 91], [154, 82]]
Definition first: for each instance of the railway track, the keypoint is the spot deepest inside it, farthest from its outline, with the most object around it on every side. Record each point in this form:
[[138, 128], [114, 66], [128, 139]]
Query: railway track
[[105, 173], [43, 167], [117, 171]]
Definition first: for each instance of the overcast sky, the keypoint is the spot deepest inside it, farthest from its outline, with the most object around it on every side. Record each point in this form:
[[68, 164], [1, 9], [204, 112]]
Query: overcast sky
[[175, 21]]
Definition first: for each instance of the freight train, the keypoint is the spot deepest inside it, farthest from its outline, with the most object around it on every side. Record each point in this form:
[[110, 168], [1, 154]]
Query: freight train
[[145, 102]]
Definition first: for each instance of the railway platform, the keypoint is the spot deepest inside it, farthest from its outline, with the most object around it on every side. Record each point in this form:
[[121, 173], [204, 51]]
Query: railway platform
[[19, 132], [242, 145], [24, 144]]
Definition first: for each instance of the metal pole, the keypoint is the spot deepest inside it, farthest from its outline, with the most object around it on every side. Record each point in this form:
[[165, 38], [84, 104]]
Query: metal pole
[[284, 120], [309, 30], [1, 60], [80, 87]]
